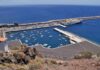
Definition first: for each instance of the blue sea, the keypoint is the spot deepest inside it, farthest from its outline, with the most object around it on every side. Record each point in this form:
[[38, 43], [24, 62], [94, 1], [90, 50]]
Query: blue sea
[[47, 36]]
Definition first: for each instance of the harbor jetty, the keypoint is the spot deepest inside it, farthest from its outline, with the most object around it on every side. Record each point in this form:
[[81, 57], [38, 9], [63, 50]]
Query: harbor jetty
[[72, 37], [60, 22]]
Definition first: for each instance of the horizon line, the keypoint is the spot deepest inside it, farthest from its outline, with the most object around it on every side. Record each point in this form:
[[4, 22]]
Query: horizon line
[[46, 5]]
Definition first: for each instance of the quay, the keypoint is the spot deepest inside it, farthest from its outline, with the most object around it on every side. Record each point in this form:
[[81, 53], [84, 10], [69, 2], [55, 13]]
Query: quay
[[72, 37]]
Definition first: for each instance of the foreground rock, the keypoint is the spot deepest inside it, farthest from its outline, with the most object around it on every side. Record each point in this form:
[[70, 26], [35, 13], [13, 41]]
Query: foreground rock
[[23, 55]]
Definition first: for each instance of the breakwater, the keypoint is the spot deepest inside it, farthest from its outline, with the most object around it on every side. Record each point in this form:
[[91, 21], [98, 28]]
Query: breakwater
[[12, 27], [60, 22]]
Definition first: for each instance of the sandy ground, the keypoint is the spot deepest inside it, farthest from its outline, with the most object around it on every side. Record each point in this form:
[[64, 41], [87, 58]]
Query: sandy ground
[[80, 64]]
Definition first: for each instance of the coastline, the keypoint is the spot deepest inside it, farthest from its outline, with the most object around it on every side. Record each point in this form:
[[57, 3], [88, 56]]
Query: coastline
[[60, 22], [62, 52]]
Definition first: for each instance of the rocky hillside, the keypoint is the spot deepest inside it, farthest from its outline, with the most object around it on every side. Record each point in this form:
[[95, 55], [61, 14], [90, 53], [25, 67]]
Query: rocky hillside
[[50, 64], [28, 58]]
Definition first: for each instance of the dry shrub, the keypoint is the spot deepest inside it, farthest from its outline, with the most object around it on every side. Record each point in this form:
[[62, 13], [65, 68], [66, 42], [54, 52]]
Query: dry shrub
[[98, 54], [36, 64], [77, 57], [53, 62], [85, 54], [34, 67], [21, 69]]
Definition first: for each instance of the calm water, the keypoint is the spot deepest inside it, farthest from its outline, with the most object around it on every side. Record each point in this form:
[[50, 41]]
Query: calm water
[[47, 36]]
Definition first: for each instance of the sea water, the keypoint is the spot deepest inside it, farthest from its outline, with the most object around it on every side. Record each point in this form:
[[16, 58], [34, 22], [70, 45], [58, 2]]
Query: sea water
[[47, 36]]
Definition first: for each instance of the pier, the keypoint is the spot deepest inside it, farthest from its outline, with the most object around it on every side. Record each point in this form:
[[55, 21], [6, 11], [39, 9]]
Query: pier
[[62, 25], [72, 37]]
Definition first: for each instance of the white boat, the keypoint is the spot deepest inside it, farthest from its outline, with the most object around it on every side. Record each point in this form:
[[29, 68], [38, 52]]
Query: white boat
[[42, 35], [50, 36], [26, 41], [45, 44]]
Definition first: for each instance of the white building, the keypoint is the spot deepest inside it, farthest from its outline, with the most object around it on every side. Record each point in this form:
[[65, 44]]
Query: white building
[[3, 45]]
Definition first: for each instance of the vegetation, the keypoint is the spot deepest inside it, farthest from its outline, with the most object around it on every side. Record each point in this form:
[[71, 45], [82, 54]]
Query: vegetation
[[98, 54], [53, 62], [85, 54]]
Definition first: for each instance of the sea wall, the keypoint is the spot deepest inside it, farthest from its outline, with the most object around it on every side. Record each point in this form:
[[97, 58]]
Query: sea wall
[[18, 27], [25, 26]]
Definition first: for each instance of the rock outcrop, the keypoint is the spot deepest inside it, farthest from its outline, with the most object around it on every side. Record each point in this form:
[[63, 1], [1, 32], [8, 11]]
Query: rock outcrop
[[21, 56]]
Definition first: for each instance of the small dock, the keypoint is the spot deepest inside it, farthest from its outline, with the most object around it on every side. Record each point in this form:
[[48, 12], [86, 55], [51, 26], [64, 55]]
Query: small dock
[[63, 25], [72, 37]]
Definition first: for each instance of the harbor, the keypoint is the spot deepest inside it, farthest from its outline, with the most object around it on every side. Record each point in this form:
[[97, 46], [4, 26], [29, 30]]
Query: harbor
[[77, 44], [72, 38]]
